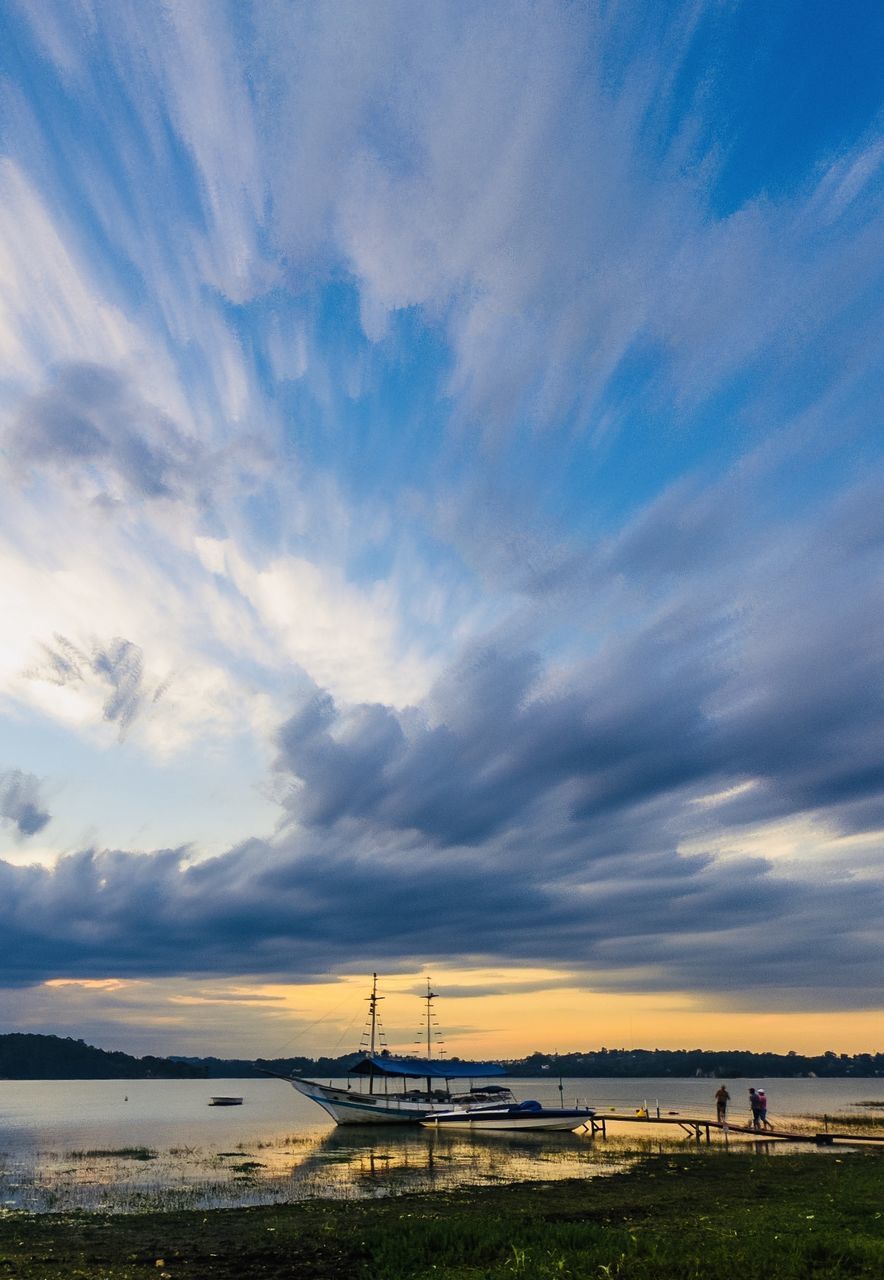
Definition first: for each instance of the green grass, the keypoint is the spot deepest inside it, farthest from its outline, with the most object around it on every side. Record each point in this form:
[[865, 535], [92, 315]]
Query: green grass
[[714, 1216]]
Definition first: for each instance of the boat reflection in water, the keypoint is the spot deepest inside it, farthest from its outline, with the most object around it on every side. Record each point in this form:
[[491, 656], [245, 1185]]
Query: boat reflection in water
[[385, 1161]]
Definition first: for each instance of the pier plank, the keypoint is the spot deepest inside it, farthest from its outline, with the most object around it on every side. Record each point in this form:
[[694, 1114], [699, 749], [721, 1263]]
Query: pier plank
[[695, 1125]]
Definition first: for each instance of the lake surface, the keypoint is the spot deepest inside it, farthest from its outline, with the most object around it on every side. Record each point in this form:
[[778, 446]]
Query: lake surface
[[129, 1145]]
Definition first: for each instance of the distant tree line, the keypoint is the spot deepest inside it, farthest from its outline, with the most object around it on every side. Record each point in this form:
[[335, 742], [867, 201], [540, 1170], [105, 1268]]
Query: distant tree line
[[635, 1063], [35, 1057], [244, 1068], [722, 1064], [38, 1057]]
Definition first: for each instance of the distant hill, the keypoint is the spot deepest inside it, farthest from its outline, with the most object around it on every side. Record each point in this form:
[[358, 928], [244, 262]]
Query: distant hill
[[33, 1057], [626, 1063], [724, 1064], [244, 1068]]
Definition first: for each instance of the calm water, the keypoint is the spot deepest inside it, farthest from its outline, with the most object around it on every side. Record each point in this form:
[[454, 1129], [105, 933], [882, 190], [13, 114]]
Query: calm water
[[61, 1141]]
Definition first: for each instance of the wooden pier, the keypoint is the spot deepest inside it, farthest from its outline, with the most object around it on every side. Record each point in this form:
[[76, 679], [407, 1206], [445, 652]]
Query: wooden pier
[[697, 1127]]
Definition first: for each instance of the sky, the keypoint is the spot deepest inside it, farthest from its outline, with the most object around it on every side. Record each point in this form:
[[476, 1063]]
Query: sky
[[442, 523]]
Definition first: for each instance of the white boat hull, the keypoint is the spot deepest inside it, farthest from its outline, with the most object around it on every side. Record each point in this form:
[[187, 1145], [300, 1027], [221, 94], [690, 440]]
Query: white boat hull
[[347, 1106]]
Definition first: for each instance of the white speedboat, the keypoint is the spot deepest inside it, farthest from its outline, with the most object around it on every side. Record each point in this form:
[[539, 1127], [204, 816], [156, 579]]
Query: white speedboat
[[517, 1116], [382, 1089]]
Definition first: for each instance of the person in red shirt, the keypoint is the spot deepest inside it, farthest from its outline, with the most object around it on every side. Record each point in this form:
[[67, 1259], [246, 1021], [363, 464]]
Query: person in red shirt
[[762, 1108]]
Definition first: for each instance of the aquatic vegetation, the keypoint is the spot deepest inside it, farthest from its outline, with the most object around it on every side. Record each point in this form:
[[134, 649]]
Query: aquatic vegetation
[[715, 1216], [117, 1153], [850, 1122], [334, 1165]]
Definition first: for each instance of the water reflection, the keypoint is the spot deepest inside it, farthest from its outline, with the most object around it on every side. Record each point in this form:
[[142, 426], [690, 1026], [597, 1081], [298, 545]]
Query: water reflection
[[340, 1163], [384, 1161], [64, 1145]]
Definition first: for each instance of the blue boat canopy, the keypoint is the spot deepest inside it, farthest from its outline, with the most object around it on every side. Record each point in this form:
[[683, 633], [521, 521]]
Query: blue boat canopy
[[421, 1068]]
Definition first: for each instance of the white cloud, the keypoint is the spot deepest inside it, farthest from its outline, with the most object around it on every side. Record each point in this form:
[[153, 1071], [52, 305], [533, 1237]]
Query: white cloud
[[846, 178], [481, 166], [226, 640], [89, 577], [59, 30], [202, 81], [53, 312], [494, 167], [347, 639], [811, 844], [48, 310]]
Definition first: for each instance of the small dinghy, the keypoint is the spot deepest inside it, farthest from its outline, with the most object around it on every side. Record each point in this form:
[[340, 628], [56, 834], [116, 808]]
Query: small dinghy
[[519, 1116], [225, 1102]]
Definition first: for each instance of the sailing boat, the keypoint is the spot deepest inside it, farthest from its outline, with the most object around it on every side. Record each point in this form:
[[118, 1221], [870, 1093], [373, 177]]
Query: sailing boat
[[382, 1102]]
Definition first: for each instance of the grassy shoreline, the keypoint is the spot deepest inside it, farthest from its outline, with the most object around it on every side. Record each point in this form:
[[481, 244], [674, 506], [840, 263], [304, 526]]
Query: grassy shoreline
[[710, 1217]]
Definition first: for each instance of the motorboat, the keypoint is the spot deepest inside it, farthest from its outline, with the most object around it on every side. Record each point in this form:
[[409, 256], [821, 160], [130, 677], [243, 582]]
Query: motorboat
[[382, 1089], [516, 1116]]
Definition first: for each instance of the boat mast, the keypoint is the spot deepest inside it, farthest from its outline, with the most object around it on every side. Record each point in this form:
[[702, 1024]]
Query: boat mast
[[373, 1026], [373, 1010], [431, 996]]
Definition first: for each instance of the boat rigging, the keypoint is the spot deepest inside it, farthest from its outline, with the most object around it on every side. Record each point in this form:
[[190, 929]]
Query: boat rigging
[[383, 1105]]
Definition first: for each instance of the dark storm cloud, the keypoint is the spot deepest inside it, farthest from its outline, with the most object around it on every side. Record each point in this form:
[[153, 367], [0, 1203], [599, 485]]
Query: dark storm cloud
[[588, 817], [494, 742], [746, 686], [91, 418], [121, 666], [478, 990], [117, 665], [732, 645], [20, 802], [300, 908]]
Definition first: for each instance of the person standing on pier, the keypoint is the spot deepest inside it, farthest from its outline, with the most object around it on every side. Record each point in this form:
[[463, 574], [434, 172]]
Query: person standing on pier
[[722, 1098], [762, 1105], [755, 1106]]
